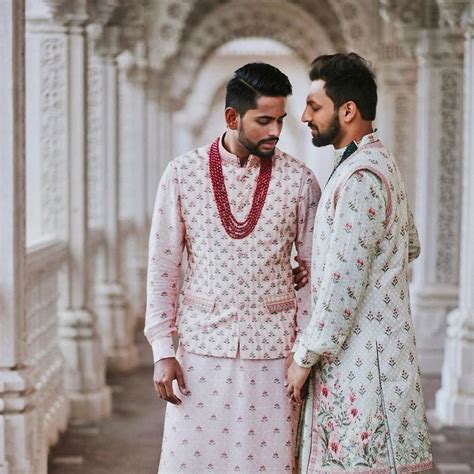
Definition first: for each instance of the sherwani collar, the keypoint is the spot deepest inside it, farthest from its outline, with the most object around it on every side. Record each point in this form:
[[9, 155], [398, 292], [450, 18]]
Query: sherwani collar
[[234, 160]]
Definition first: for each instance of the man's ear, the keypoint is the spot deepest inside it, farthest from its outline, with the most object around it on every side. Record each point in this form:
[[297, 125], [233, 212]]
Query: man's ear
[[348, 111], [231, 118]]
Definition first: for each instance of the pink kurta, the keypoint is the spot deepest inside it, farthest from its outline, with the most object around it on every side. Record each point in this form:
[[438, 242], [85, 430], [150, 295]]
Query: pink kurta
[[237, 308]]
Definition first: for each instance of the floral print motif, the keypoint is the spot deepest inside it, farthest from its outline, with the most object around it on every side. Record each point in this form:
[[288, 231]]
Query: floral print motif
[[237, 418], [348, 436], [366, 411], [236, 315], [237, 296]]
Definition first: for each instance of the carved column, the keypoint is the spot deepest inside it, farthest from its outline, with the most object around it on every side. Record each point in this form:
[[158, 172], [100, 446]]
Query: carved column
[[159, 140], [439, 130], [438, 173], [14, 420], [396, 114], [46, 111], [112, 303], [85, 377], [455, 399], [134, 171]]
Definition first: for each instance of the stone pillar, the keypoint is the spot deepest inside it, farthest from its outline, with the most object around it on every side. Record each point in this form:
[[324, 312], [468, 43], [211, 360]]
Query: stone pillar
[[439, 170], [455, 399], [153, 145], [396, 112], [112, 303], [14, 419], [85, 377], [134, 171], [46, 112]]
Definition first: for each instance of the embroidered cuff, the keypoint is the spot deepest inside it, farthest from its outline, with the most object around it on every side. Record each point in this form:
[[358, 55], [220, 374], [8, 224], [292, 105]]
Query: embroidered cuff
[[305, 358], [162, 347]]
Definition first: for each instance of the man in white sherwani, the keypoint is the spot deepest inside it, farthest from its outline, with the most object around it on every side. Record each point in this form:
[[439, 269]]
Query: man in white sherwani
[[365, 410], [236, 206]]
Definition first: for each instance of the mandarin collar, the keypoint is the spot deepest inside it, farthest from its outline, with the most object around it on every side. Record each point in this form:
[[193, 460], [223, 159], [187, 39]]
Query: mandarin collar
[[369, 138], [365, 140], [230, 158]]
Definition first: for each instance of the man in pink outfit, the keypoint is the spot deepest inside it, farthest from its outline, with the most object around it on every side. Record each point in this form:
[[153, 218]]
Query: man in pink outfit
[[238, 206]]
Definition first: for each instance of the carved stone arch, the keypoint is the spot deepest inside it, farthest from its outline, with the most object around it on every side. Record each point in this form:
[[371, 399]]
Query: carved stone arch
[[282, 21], [358, 25], [165, 24]]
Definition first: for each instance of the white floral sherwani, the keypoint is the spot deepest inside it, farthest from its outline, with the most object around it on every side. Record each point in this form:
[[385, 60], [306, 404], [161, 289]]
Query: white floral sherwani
[[365, 412], [237, 312]]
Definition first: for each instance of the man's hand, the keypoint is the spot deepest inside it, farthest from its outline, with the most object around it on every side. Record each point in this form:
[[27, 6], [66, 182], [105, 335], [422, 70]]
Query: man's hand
[[300, 274], [167, 370], [296, 378]]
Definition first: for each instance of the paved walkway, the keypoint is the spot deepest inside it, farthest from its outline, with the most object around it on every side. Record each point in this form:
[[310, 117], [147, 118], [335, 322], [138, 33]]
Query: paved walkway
[[129, 442]]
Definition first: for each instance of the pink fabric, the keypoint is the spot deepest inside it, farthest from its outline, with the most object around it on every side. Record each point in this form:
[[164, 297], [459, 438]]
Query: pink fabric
[[237, 295], [237, 418]]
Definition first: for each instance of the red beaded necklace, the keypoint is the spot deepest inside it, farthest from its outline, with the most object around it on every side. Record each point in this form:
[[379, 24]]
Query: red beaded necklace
[[234, 228]]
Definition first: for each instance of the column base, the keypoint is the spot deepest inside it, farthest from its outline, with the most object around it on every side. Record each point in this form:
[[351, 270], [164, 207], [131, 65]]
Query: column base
[[94, 406], [118, 326], [455, 398], [430, 308], [85, 366], [454, 409], [123, 359]]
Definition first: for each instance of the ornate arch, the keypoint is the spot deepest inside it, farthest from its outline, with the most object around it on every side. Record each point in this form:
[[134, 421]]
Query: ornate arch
[[358, 25], [279, 20]]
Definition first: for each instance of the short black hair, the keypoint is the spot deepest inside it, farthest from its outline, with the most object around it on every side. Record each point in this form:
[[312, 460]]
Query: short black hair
[[348, 76], [252, 81]]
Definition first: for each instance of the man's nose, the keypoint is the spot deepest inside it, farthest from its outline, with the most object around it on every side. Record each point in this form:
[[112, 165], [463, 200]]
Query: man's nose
[[305, 116], [275, 129]]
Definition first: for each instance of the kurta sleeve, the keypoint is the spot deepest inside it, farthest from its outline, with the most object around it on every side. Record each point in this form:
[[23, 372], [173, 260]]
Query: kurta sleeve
[[310, 193], [413, 239], [358, 229], [164, 262]]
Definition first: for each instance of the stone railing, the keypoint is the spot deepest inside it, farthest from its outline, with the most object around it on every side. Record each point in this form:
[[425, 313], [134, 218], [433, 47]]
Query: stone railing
[[46, 398]]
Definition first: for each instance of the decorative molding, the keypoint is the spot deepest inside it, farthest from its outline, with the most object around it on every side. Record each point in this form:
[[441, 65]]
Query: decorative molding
[[449, 219], [357, 25], [438, 46], [53, 67], [95, 142], [403, 13], [452, 13], [409, 18], [166, 24]]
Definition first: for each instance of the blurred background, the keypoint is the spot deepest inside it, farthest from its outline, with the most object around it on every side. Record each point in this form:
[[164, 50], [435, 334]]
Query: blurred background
[[97, 96]]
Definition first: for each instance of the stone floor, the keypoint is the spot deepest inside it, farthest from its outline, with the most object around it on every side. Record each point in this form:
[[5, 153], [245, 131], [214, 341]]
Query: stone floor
[[129, 441]]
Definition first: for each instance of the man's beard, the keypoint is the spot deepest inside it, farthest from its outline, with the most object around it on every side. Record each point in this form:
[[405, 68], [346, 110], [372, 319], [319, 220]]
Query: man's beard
[[253, 148], [328, 137]]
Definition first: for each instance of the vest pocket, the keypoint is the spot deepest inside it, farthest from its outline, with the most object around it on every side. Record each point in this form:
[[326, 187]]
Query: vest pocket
[[281, 303], [200, 302]]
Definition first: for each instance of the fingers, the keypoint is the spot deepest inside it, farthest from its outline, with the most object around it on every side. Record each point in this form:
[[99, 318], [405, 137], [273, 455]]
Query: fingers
[[301, 280], [159, 390], [299, 276], [170, 396], [181, 383]]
